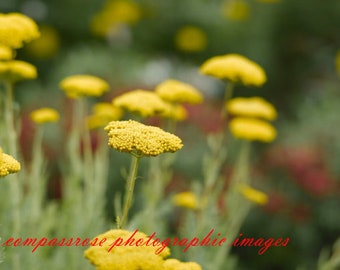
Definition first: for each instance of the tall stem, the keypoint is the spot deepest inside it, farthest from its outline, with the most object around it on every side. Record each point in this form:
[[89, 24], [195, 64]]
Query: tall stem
[[130, 185]]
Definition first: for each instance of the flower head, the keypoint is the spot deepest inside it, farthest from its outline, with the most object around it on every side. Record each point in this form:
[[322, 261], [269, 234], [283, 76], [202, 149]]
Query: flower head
[[6, 53], [103, 113], [253, 195], [139, 139], [8, 164], [142, 102], [235, 68], [16, 29], [126, 257], [251, 107], [185, 200], [337, 62], [251, 129], [175, 111], [83, 85], [176, 91], [236, 10], [15, 70], [44, 115], [191, 39], [173, 264]]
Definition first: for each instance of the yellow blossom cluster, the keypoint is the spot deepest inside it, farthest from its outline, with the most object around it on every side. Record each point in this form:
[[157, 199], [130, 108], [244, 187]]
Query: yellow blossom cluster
[[44, 115], [175, 111], [114, 254], [103, 113], [190, 39], [17, 29], [83, 85], [8, 164], [186, 200], [236, 10], [178, 92], [337, 62], [142, 102], [16, 70], [251, 107], [6, 53], [253, 195], [139, 139], [234, 68]]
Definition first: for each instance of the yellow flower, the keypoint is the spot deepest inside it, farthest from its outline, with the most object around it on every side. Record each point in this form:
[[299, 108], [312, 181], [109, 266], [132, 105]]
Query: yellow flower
[[176, 91], [235, 68], [47, 45], [337, 62], [191, 39], [16, 28], [83, 85], [6, 53], [115, 12], [252, 129], [173, 264], [8, 164], [44, 115], [176, 112], [136, 138], [114, 255], [253, 195], [16, 70], [143, 102], [185, 200], [103, 113], [251, 107], [237, 10]]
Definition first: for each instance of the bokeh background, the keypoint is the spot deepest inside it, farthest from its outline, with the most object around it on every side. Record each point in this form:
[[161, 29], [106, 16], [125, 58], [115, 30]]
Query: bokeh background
[[138, 44]]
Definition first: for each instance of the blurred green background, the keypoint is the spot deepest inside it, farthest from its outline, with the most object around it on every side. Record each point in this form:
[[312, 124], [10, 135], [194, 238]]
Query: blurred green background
[[296, 42]]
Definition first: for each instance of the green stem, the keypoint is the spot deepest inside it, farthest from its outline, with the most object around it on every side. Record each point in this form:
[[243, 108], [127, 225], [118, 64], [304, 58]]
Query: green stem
[[9, 117], [228, 94], [130, 184]]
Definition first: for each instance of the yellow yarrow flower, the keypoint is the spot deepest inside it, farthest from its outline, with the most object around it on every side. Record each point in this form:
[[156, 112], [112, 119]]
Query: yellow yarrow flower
[[253, 195], [141, 140], [236, 10], [191, 39], [176, 112], [251, 107], [6, 53], [8, 164], [337, 62], [185, 200], [234, 68], [173, 264], [83, 85], [44, 115], [103, 113], [126, 257], [15, 70], [176, 91], [17, 29], [251, 129], [142, 102]]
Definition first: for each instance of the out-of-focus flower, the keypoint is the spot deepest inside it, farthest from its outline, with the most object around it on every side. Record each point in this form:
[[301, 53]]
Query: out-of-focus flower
[[251, 129], [251, 107], [8, 164], [190, 39], [6, 53], [44, 115], [83, 85], [46, 46], [186, 200], [253, 195], [142, 102], [126, 257], [17, 29], [139, 139], [337, 62], [180, 92], [103, 113], [237, 10], [173, 264], [15, 70], [176, 112], [235, 68], [114, 13]]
